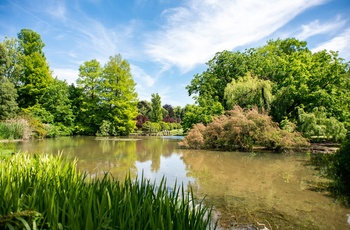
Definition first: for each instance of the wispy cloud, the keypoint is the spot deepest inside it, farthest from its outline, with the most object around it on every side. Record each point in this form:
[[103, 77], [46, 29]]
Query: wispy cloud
[[194, 32], [56, 9], [315, 27], [142, 77], [339, 43]]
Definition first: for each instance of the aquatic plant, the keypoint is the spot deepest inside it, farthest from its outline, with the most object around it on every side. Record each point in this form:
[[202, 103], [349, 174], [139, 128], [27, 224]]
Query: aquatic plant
[[14, 129], [48, 192]]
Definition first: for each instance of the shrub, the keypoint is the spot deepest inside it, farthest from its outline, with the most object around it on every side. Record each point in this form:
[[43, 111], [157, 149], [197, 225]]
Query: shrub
[[337, 168], [242, 129], [318, 126]]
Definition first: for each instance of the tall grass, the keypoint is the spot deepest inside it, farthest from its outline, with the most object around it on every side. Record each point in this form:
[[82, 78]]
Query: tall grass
[[47, 192], [14, 129]]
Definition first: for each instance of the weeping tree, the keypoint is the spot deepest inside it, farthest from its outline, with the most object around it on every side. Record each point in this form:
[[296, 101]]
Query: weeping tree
[[248, 92]]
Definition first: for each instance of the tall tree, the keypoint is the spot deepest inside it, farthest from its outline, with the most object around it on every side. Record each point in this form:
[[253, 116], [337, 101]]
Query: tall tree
[[118, 96], [12, 64], [8, 96], [89, 83], [35, 74], [156, 112], [170, 110]]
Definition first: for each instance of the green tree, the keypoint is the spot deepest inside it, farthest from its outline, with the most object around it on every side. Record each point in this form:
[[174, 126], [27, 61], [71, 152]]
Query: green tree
[[144, 108], [211, 84], [8, 95], [300, 78], [11, 63], [118, 96], [202, 113], [35, 74], [249, 92], [156, 114], [56, 101], [89, 83]]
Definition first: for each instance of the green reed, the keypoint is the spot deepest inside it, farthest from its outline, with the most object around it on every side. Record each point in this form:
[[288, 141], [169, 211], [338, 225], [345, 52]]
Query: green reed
[[12, 129], [47, 192]]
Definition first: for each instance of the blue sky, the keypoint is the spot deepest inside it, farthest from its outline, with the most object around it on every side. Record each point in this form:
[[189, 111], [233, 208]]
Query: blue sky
[[168, 41]]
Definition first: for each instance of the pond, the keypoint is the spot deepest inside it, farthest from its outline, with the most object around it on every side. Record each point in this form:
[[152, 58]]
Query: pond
[[276, 190]]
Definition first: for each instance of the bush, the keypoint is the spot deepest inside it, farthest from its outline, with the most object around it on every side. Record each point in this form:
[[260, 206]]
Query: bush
[[338, 169], [317, 126], [241, 130]]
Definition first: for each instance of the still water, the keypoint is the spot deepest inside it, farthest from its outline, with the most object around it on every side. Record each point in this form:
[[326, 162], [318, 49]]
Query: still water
[[275, 190]]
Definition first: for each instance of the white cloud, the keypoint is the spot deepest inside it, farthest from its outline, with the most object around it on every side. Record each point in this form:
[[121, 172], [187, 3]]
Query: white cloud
[[70, 75], [315, 27], [56, 9], [339, 43], [142, 77], [194, 32]]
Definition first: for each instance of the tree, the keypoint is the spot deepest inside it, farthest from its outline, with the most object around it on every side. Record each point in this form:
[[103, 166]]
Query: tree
[[8, 95], [249, 92], [202, 113], [299, 79], [118, 96], [156, 114], [144, 108], [170, 110], [211, 84], [11, 63], [35, 74], [89, 80], [56, 101]]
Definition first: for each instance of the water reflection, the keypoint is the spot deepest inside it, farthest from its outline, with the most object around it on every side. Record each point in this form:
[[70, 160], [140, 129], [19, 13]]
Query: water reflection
[[267, 188], [271, 189]]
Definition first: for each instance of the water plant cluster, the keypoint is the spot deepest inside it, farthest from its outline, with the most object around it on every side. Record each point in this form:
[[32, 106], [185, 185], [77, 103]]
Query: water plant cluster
[[48, 192], [14, 129]]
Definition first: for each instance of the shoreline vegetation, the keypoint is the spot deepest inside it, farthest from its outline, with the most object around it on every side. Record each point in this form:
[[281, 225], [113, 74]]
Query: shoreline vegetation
[[64, 198]]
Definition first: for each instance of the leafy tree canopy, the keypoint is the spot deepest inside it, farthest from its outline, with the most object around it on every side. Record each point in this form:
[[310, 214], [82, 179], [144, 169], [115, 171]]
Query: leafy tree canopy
[[299, 78]]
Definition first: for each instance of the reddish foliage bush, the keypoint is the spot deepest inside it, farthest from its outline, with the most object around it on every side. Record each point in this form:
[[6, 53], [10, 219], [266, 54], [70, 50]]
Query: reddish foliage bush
[[241, 130]]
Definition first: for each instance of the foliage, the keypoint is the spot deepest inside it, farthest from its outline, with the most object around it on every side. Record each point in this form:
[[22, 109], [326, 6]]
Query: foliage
[[156, 113], [110, 91], [170, 110], [8, 96], [39, 113], [319, 127], [248, 92], [118, 96], [106, 129], [299, 79], [202, 113], [151, 127], [14, 129], [240, 129], [88, 82], [140, 120], [11, 66], [35, 75], [341, 174], [144, 108], [64, 198], [55, 100]]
